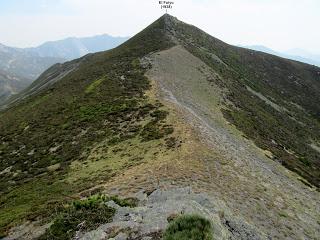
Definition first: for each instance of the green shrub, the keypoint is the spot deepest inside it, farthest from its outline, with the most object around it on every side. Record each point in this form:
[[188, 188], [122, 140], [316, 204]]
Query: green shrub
[[66, 224], [154, 130], [189, 227], [95, 201], [127, 202], [90, 203], [86, 214]]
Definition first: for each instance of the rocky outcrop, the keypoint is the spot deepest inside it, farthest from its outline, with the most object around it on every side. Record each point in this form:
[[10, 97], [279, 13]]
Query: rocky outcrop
[[150, 218]]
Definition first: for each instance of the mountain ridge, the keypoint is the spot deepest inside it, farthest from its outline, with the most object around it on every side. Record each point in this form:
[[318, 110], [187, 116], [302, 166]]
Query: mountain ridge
[[18, 69], [170, 107], [26, 64]]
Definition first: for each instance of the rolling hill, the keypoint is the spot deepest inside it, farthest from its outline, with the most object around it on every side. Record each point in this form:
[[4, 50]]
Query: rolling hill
[[173, 121]]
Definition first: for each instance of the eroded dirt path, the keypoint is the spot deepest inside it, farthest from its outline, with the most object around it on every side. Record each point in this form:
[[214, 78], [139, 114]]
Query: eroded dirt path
[[254, 187]]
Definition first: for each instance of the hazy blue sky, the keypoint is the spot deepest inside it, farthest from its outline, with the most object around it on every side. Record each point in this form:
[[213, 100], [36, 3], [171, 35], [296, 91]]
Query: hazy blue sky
[[279, 24]]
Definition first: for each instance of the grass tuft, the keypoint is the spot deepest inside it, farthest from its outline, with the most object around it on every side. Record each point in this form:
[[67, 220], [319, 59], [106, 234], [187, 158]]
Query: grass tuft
[[189, 227]]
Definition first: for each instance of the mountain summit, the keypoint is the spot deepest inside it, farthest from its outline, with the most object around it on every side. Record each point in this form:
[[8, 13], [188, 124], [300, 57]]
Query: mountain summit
[[171, 122]]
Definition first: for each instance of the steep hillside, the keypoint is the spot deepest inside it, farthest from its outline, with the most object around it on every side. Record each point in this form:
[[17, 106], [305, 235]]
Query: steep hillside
[[19, 68], [274, 100], [46, 79], [23, 63], [176, 120], [100, 102], [10, 84]]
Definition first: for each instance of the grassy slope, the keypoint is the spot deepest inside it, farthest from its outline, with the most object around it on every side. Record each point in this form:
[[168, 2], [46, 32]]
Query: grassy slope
[[95, 123], [98, 106], [292, 85]]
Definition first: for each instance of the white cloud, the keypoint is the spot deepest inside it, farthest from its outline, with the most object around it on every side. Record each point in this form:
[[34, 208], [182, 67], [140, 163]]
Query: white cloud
[[279, 24]]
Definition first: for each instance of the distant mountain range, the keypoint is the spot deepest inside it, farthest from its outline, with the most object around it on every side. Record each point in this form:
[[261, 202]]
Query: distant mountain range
[[19, 67], [71, 48], [294, 54]]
